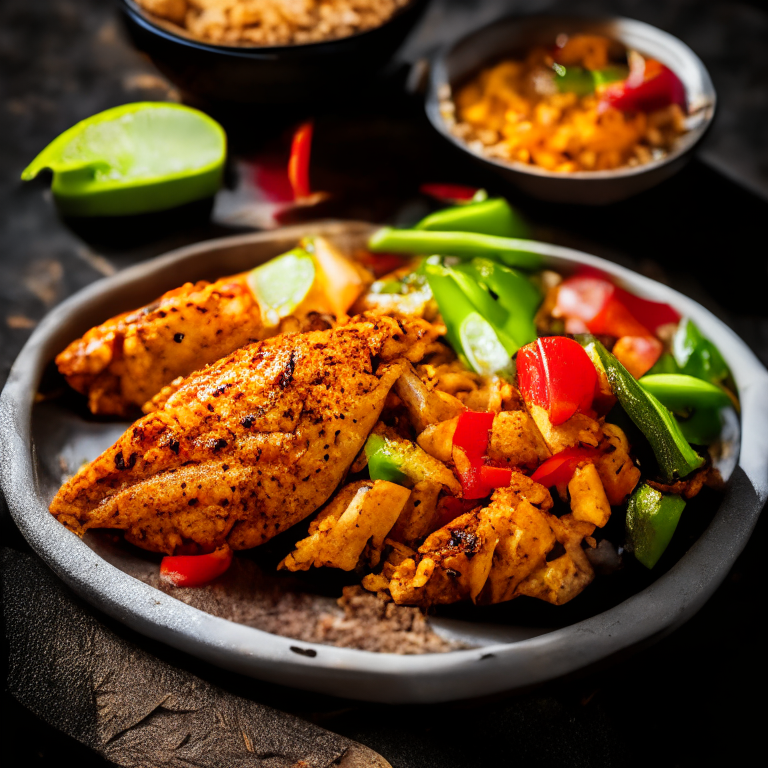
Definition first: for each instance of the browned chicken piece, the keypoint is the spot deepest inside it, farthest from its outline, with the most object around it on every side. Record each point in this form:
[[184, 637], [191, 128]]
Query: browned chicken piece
[[452, 565], [578, 430], [617, 471], [588, 500], [417, 518], [124, 362], [351, 529], [515, 439], [425, 405], [437, 439], [248, 446], [562, 578], [498, 553]]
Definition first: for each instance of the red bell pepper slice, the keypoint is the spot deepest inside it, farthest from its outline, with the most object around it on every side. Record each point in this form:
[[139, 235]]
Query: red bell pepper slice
[[638, 354], [471, 434], [605, 308], [449, 193], [382, 263], [195, 570], [298, 162], [652, 87], [559, 469], [481, 481], [556, 374]]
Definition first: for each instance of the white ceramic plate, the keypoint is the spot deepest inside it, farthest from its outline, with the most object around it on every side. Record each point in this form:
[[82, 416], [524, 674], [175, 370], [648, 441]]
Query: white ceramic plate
[[505, 657]]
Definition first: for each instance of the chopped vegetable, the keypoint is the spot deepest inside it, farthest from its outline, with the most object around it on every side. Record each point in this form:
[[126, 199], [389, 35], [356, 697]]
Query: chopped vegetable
[[514, 292], [652, 517], [696, 355], [607, 309], [638, 354], [648, 89], [282, 284], [298, 162], [680, 392], [494, 216], [471, 434], [384, 460], [472, 336], [559, 469], [595, 301], [556, 374], [674, 455], [195, 570], [696, 403], [464, 245], [453, 193], [340, 279], [471, 437]]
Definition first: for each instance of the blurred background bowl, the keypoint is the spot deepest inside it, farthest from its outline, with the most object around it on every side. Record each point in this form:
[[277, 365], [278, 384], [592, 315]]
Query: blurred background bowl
[[516, 36], [279, 75]]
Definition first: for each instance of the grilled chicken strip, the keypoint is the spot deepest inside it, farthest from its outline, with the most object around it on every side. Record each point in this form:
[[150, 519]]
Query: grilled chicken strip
[[124, 362], [249, 446]]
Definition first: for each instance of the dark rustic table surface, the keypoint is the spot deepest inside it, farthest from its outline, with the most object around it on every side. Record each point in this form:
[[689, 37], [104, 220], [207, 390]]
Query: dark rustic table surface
[[80, 686]]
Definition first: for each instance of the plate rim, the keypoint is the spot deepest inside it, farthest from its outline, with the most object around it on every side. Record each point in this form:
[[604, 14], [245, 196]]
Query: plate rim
[[648, 615]]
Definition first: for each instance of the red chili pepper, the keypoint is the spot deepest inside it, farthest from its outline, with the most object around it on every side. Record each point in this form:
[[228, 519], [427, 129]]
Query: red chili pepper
[[449, 193], [654, 87], [556, 374], [298, 163], [559, 469], [195, 570], [638, 354]]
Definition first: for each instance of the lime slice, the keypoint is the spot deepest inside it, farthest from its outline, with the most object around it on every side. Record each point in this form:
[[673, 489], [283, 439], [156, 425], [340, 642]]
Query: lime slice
[[282, 284], [481, 345], [134, 159]]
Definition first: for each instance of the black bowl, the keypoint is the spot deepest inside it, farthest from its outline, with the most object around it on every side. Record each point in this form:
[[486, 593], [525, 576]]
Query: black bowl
[[279, 75]]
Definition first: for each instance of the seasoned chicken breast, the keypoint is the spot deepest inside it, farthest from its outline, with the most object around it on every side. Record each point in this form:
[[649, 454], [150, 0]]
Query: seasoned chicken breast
[[248, 446], [127, 360]]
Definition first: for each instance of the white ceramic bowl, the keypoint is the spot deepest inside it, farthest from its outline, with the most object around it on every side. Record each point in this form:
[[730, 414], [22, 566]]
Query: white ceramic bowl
[[509, 36]]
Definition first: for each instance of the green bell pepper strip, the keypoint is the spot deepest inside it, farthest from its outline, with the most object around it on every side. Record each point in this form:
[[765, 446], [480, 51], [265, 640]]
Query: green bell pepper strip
[[665, 364], [674, 455], [491, 310], [696, 355], [574, 80], [584, 81], [457, 309], [488, 217], [610, 74], [680, 392], [384, 460], [464, 245], [514, 292], [683, 394], [702, 427], [652, 517]]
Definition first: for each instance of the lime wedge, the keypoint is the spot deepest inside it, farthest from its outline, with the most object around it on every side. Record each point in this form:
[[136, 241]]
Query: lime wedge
[[481, 345], [282, 284], [133, 159]]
